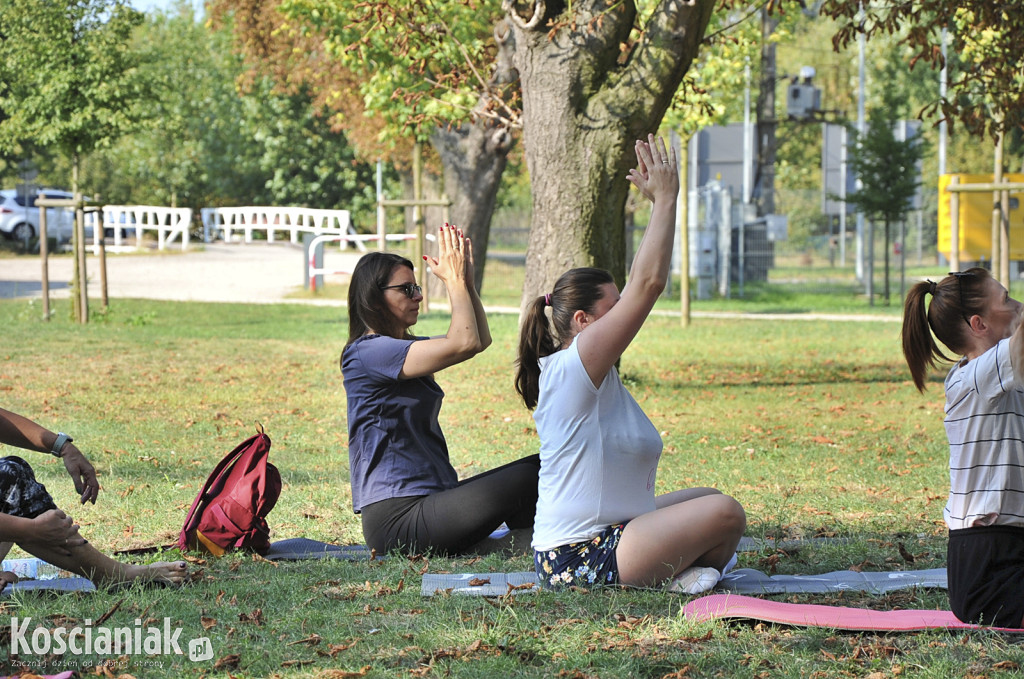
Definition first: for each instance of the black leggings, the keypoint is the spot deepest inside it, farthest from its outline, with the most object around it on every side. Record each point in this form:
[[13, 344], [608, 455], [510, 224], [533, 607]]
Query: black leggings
[[452, 521]]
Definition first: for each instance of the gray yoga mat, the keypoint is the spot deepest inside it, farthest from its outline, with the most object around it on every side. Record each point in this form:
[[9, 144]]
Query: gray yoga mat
[[294, 549], [739, 581], [55, 585]]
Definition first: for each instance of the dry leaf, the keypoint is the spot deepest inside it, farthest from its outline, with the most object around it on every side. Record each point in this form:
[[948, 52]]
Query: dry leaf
[[256, 617], [312, 640]]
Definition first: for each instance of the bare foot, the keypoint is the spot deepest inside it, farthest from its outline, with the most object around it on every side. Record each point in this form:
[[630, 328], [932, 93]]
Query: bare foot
[[161, 573]]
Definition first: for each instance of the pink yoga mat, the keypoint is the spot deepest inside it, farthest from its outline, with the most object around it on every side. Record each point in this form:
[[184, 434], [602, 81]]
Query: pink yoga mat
[[815, 615]]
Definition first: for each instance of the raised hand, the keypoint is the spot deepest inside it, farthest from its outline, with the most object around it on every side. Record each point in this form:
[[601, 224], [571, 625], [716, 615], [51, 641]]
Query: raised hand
[[451, 262], [657, 171]]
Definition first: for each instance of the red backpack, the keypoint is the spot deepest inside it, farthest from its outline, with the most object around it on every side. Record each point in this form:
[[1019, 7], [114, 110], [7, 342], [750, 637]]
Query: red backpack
[[231, 510]]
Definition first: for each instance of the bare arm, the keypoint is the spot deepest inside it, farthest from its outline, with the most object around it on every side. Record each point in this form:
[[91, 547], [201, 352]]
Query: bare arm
[[656, 177], [22, 432], [53, 527], [464, 338], [478, 307], [1017, 352]]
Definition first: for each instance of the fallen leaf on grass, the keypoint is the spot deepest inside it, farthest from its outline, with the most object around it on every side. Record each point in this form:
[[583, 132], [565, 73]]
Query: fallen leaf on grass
[[207, 623], [256, 617], [859, 567], [103, 618], [683, 671], [343, 674], [574, 674], [907, 556], [770, 563], [312, 640], [335, 649], [525, 585], [228, 662], [296, 663]]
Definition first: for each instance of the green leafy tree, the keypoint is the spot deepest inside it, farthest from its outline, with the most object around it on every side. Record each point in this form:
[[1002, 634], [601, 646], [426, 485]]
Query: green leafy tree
[[394, 73], [213, 137], [68, 78], [890, 175], [984, 95]]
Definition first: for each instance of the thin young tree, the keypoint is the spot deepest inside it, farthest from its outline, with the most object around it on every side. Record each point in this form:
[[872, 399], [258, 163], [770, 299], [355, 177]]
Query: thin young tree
[[68, 80], [890, 174]]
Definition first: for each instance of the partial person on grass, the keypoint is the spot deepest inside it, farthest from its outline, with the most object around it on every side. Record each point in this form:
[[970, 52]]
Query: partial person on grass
[[30, 519], [404, 488], [598, 519], [975, 318]]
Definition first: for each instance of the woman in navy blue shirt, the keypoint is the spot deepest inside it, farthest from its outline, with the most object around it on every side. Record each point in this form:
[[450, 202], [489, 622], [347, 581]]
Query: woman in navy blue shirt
[[404, 487]]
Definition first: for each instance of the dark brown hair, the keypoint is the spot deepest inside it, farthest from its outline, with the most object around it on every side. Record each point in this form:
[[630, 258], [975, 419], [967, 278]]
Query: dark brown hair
[[576, 290], [367, 308], [955, 299]]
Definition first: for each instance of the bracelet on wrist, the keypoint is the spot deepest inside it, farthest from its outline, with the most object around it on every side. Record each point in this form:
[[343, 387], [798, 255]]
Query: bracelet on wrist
[[58, 445]]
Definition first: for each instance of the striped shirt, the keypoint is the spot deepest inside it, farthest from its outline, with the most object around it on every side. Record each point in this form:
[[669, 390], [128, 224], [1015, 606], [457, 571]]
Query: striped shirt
[[985, 426]]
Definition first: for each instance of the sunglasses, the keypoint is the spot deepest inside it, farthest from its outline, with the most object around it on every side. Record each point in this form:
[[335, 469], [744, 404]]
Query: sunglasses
[[410, 289]]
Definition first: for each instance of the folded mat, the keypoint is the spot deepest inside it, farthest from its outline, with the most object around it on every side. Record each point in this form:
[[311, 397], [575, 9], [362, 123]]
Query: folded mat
[[741, 580], [294, 549], [815, 615]]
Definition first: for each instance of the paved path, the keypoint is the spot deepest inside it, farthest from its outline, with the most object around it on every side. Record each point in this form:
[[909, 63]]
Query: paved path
[[257, 273]]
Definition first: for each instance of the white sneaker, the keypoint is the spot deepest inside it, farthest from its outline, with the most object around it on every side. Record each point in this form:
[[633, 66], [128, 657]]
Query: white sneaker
[[695, 580]]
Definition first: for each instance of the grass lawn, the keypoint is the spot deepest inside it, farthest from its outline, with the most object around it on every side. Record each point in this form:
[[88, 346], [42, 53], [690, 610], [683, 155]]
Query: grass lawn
[[814, 426]]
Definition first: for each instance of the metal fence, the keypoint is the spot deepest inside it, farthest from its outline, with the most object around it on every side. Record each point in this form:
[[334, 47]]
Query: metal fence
[[736, 256]]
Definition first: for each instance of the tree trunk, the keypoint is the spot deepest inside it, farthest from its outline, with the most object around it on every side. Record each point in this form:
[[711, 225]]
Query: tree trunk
[[474, 157], [887, 247], [585, 101]]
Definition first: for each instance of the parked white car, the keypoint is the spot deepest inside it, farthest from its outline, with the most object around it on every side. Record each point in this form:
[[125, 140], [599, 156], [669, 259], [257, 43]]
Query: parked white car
[[19, 216]]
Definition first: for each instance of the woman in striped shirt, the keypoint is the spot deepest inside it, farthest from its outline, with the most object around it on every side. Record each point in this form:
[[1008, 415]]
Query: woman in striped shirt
[[975, 317]]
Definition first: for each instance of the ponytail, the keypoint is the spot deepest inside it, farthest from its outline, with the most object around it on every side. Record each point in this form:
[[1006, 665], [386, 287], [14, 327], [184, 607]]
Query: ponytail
[[535, 342], [576, 289], [955, 299]]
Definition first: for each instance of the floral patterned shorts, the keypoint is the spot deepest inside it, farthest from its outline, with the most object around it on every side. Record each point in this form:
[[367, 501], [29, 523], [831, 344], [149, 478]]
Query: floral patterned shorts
[[581, 563], [20, 493]]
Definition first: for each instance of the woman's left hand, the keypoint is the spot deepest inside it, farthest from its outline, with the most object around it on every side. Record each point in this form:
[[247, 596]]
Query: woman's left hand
[[451, 263], [82, 473], [657, 172]]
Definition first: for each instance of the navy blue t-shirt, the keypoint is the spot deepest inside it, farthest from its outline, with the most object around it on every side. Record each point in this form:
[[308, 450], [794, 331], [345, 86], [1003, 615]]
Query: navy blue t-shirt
[[395, 444]]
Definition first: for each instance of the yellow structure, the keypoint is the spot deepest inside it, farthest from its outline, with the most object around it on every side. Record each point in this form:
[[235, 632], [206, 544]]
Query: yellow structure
[[975, 223]]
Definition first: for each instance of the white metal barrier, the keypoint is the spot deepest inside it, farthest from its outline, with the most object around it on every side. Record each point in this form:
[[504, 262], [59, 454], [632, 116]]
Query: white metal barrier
[[169, 223], [223, 221], [313, 271]]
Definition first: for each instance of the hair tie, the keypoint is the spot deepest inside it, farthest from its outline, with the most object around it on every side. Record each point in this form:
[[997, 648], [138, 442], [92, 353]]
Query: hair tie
[[547, 299], [932, 287]]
